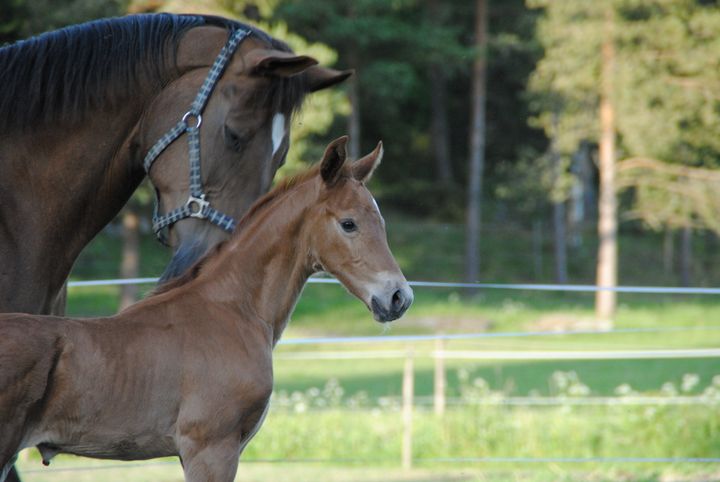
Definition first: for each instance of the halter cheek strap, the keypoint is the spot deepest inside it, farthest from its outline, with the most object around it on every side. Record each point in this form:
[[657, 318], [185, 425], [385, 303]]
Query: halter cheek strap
[[197, 206]]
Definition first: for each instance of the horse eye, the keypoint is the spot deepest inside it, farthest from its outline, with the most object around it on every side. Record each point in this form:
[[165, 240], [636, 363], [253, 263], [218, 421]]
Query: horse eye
[[233, 140], [348, 225]]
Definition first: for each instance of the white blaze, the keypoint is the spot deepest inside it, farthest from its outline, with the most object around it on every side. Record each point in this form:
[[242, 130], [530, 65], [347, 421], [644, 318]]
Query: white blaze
[[278, 131]]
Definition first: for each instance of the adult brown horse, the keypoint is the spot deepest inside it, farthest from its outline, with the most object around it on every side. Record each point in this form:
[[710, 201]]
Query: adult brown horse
[[188, 371], [82, 110]]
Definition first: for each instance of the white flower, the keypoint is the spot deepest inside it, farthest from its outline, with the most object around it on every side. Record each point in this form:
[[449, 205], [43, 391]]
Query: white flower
[[579, 390], [624, 390], [716, 381], [668, 389], [689, 381]]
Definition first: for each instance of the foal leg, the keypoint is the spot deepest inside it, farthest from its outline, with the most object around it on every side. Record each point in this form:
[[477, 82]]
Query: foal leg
[[10, 439], [213, 463]]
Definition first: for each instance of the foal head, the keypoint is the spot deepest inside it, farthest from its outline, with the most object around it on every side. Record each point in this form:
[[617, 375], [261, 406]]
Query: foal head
[[348, 237]]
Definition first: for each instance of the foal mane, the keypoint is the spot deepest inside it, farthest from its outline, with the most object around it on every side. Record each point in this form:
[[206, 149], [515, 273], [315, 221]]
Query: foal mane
[[60, 75], [281, 188]]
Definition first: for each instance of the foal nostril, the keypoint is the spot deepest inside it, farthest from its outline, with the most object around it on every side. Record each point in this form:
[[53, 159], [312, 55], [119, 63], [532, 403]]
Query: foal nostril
[[398, 300]]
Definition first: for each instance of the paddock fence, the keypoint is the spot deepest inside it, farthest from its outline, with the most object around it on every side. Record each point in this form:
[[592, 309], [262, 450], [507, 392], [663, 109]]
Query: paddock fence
[[439, 402]]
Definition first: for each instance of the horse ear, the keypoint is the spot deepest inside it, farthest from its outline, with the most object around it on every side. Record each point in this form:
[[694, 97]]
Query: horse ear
[[364, 167], [319, 78], [276, 63], [333, 160]]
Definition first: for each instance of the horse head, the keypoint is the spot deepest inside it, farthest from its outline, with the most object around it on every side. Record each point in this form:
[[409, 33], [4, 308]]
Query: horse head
[[243, 132], [348, 238]]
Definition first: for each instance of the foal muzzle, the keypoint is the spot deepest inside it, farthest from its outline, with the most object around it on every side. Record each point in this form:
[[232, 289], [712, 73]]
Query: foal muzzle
[[391, 306]]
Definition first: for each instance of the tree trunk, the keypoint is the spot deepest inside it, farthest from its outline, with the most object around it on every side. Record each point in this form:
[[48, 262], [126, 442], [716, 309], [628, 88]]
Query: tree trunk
[[605, 301], [559, 213], [477, 146], [710, 246], [353, 96], [561, 275], [668, 251], [439, 128], [582, 196], [686, 257], [130, 264], [537, 248], [440, 136], [354, 119]]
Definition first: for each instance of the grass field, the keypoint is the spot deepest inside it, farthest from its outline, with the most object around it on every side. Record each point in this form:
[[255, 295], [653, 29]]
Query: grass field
[[359, 428], [270, 472]]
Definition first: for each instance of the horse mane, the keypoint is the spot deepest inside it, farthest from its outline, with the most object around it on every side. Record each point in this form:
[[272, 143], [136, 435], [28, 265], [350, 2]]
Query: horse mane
[[59, 76], [194, 271]]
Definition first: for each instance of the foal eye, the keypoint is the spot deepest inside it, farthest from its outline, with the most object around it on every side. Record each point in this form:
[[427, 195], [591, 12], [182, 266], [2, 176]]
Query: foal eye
[[348, 225]]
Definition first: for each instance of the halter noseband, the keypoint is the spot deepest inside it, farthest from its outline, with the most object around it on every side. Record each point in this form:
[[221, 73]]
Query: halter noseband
[[197, 206]]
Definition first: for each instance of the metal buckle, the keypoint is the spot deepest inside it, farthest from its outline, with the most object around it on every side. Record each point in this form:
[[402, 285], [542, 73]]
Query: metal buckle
[[200, 203]]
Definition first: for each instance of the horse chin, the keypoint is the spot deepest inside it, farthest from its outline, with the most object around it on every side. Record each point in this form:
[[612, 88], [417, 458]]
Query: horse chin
[[183, 258]]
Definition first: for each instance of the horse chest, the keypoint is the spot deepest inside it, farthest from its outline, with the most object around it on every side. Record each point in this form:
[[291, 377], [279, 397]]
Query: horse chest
[[225, 401]]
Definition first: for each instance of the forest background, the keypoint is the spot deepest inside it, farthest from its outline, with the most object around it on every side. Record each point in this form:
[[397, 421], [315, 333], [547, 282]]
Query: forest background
[[539, 115]]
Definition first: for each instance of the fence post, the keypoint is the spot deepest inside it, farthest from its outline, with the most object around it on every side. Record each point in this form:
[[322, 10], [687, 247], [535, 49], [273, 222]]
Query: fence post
[[439, 378], [407, 410]]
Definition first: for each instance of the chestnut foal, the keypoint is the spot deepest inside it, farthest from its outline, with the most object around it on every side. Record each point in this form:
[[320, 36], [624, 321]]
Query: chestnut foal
[[188, 371]]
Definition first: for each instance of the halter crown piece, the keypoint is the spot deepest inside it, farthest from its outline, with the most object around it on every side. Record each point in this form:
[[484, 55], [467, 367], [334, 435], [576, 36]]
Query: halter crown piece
[[197, 206]]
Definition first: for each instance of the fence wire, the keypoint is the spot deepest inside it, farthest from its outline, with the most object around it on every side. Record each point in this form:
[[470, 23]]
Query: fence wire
[[705, 353], [440, 284]]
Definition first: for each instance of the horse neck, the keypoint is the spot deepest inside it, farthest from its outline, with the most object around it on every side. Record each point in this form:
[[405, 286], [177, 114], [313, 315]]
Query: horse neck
[[63, 185], [263, 269]]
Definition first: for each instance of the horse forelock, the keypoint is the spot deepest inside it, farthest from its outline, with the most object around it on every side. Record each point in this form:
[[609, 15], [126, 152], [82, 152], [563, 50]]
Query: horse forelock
[[61, 75]]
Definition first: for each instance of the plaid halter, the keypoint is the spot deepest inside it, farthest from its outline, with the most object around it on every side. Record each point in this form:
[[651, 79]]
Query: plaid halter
[[197, 206]]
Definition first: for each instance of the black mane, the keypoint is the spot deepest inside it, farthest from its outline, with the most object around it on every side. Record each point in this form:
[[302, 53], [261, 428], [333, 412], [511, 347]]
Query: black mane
[[60, 75]]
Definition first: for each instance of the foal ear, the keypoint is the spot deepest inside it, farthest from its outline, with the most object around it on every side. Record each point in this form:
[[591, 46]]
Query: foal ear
[[333, 160], [276, 63], [363, 168], [319, 78]]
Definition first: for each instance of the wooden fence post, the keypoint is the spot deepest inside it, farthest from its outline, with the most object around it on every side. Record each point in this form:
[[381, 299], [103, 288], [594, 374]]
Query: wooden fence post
[[439, 378], [408, 390]]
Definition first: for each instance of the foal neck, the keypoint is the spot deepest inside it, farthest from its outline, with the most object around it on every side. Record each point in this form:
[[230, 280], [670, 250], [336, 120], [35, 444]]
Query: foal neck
[[262, 270]]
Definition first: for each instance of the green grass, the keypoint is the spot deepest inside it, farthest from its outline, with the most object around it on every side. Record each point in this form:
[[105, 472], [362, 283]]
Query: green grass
[[265, 472], [340, 442], [384, 377]]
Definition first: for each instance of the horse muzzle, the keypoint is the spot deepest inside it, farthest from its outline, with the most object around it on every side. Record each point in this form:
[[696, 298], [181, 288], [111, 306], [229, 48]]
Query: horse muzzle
[[392, 305]]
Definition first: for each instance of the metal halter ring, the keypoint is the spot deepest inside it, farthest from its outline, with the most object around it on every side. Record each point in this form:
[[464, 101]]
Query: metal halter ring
[[190, 115], [196, 206]]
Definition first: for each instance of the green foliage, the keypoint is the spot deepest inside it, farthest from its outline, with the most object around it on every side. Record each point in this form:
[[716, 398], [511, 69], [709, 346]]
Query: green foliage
[[669, 98], [665, 82], [565, 82], [45, 15], [12, 13]]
